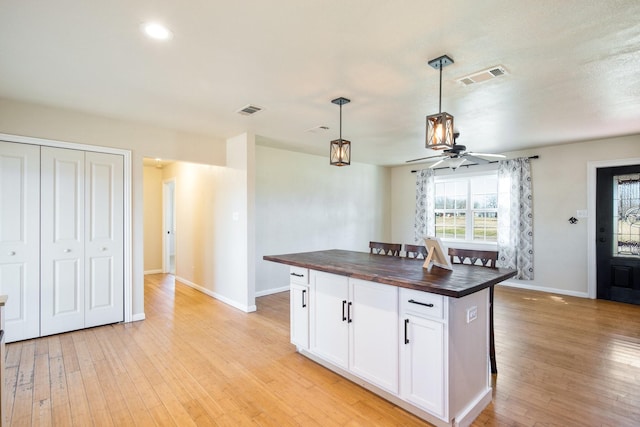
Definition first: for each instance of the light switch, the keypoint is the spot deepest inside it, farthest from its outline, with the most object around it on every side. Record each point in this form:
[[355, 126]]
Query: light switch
[[581, 213]]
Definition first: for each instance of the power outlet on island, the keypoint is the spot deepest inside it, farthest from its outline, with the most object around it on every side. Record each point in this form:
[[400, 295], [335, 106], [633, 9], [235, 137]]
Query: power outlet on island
[[472, 313]]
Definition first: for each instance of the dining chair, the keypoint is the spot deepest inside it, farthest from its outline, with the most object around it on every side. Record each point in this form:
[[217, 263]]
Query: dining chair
[[379, 248], [486, 259], [415, 251]]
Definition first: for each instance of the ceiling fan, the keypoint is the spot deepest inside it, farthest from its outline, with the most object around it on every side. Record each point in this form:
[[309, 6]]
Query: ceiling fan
[[457, 155]]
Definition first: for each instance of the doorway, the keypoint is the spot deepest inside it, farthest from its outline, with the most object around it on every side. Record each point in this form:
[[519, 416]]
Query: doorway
[[617, 243], [169, 226]]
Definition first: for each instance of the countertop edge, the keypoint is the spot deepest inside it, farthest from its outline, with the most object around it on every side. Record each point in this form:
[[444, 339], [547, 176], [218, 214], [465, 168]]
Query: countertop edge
[[392, 281]]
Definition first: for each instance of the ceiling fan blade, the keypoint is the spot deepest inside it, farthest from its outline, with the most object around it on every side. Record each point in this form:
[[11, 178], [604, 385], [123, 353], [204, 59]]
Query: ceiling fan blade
[[498, 156], [426, 158], [474, 159], [436, 163]]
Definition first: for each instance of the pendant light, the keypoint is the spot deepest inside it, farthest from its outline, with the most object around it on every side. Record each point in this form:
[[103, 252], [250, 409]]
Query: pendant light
[[340, 149], [440, 126]]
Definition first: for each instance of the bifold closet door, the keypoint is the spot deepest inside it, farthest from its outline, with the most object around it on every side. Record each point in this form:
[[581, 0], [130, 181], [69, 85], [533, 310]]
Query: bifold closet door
[[20, 238], [82, 253], [62, 267], [104, 254]]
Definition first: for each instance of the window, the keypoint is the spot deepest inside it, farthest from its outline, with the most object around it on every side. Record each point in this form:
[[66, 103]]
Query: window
[[466, 208]]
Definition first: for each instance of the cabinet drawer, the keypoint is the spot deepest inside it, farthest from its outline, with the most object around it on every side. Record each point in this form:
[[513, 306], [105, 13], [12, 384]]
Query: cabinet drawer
[[299, 275], [423, 304]]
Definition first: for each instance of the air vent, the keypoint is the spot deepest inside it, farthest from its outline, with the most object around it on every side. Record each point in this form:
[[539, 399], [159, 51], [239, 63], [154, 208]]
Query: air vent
[[483, 76], [249, 110], [318, 129]]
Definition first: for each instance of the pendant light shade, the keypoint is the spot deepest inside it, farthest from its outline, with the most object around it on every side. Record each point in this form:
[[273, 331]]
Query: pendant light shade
[[340, 149], [440, 126]]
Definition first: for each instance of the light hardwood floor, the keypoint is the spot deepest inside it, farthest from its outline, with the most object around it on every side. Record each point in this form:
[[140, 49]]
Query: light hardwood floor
[[562, 361]]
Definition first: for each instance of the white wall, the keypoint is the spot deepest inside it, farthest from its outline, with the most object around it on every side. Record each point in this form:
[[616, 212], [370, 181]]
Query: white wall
[[304, 204], [559, 189], [213, 243], [152, 196]]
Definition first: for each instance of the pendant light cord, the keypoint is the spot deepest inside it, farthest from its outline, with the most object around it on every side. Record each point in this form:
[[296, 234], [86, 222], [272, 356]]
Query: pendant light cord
[[440, 95], [340, 122]]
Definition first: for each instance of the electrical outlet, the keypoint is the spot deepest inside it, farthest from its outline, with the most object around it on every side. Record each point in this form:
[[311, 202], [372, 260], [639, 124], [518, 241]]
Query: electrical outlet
[[472, 313]]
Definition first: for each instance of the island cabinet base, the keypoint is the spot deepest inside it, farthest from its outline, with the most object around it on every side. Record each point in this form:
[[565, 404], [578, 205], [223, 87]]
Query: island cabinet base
[[424, 352]]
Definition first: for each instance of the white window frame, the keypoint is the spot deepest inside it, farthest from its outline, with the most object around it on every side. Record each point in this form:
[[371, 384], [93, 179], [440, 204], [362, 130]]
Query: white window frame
[[468, 242]]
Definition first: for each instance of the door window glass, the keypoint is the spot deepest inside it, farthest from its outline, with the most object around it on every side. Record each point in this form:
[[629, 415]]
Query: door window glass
[[626, 215]]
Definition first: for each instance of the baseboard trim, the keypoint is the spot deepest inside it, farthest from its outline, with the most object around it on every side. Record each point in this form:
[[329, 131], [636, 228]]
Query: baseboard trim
[[137, 317], [232, 303], [272, 291], [512, 284], [157, 271]]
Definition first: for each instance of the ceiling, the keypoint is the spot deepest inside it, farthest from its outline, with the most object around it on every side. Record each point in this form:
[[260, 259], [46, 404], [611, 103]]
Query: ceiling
[[573, 68]]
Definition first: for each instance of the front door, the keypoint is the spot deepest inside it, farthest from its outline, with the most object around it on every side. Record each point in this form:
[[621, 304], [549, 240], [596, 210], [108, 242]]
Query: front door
[[618, 233]]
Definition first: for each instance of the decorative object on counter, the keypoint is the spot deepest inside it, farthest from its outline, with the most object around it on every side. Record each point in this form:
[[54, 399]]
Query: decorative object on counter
[[340, 149], [436, 254], [379, 248], [573, 220], [440, 126]]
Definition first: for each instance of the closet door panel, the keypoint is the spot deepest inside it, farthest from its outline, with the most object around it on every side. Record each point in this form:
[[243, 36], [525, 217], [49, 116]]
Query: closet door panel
[[104, 268], [20, 238], [62, 240]]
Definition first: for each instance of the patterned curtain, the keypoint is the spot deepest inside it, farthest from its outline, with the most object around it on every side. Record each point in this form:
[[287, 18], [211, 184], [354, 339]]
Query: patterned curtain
[[515, 216], [424, 224]]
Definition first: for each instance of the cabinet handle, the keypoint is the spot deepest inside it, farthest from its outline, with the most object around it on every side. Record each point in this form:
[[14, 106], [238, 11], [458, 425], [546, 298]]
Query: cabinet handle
[[406, 325], [297, 275], [344, 302], [67, 250], [304, 304], [421, 303], [12, 253], [349, 312]]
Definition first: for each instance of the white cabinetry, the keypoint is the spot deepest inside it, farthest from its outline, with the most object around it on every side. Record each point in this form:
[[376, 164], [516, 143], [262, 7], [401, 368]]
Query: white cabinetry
[[373, 318], [299, 306], [354, 326], [423, 366], [444, 366]]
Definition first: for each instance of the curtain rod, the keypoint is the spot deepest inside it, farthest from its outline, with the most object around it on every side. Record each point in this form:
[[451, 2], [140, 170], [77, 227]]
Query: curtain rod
[[475, 164]]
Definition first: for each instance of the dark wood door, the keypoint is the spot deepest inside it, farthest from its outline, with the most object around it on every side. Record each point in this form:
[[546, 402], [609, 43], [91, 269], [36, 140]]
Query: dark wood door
[[618, 233]]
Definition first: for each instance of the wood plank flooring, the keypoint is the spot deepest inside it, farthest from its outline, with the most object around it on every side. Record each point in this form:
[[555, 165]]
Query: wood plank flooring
[[562, 361]]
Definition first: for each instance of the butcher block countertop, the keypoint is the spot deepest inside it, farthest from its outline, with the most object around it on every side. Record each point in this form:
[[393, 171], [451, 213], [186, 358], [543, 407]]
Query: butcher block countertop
[[398, 271]]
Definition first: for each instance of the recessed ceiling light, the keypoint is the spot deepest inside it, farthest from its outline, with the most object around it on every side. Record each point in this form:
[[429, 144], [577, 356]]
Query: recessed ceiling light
[[156, 31]]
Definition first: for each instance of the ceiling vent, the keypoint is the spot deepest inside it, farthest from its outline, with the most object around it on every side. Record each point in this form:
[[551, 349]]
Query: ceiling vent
[[249, 110], [318, 129], [483, 76]]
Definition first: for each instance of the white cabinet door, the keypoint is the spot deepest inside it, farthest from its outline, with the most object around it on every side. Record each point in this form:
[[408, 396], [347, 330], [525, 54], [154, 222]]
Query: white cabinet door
[[330, 334], [104, 257], [422, 369], [62, 240], [299, 304], [20, 238], [373, 338]]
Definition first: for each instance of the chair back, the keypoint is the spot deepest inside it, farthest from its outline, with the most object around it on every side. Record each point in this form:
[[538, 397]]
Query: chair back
[[415, 251], [379, 248], [486, 258]]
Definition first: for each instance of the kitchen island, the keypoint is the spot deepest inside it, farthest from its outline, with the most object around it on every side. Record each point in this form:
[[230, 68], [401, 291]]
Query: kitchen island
[[417, 337]]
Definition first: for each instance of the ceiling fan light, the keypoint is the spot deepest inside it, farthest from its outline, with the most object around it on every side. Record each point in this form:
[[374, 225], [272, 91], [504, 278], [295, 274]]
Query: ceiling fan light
[[455, 163], [440, 131], [340, 152]]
